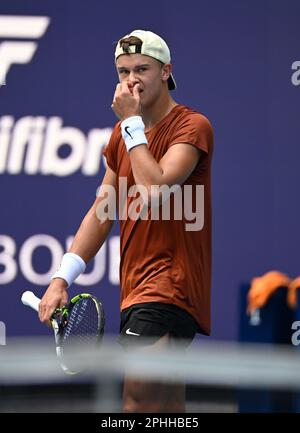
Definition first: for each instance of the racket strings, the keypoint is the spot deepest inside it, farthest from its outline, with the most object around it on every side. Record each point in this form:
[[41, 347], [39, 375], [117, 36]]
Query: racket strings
[[83, 324]]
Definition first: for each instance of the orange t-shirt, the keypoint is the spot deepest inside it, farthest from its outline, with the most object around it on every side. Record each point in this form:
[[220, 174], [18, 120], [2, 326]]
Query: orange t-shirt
[[161, 261]]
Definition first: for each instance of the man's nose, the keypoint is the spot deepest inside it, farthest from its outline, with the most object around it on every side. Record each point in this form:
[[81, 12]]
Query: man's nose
[[132, 77]]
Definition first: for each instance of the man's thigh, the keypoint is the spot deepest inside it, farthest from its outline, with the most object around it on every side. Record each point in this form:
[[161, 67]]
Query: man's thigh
[[153, 396]]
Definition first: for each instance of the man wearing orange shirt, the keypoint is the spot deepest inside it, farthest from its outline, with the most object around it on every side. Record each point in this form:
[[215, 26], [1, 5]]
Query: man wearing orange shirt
[[165, 270]]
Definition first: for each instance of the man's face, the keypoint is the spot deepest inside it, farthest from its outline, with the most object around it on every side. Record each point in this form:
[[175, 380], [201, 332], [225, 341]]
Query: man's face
[[145, 71]]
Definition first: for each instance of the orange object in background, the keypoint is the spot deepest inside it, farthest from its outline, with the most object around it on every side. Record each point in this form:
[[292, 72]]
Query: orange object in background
[[263, 287], [292, 295]]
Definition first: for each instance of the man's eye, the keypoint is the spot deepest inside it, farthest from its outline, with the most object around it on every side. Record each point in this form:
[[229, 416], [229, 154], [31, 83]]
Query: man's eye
[[141, 69]]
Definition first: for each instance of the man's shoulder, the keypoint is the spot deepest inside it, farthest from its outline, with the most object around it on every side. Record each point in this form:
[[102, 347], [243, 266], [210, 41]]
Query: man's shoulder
[[186, 113], [116, 134], [117, 128], [115, 138]]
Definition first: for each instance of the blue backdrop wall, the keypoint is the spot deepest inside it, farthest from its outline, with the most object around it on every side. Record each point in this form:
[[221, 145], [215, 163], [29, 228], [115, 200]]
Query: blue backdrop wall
[[238, 62]]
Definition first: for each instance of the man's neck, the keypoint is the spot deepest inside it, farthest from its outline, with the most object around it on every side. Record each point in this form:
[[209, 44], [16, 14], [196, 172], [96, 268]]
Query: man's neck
[[158, 110]]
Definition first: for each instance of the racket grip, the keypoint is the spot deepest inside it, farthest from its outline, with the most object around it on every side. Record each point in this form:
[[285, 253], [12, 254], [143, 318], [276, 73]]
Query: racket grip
[[28, 298]]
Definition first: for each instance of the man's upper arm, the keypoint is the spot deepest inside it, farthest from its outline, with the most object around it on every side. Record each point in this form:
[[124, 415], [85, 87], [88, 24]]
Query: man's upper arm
[[109, 177], [107, 190], [179, 162], [191, 138]]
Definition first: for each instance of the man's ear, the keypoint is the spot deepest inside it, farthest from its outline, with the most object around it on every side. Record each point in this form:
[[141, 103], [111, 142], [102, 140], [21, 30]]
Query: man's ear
[[166, 71]]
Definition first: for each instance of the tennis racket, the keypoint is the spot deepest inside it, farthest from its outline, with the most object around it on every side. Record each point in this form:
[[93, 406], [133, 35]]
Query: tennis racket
[[78, 325]]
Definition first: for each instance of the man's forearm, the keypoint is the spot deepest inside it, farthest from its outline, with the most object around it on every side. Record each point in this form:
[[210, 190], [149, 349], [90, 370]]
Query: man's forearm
[[90, 236], [173, 169], [146, 170]]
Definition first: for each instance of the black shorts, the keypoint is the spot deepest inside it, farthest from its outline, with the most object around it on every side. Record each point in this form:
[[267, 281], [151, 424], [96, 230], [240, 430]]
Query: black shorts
[[146, 323]]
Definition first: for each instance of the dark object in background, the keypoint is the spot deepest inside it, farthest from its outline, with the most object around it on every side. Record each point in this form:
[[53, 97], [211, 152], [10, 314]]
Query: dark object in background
[[273, 326]]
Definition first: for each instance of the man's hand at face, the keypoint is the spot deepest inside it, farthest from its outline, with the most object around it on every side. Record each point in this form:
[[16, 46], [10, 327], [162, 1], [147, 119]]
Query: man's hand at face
[[127, 102]]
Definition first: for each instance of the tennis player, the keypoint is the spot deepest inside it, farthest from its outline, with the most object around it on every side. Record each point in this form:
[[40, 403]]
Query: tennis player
[[165, 268]]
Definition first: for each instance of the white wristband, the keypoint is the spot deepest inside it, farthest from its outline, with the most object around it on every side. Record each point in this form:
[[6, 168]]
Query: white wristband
[[133, 132], [70, 268]]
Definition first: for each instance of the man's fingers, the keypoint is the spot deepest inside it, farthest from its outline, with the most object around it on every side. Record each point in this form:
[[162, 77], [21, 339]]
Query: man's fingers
[[44, 316], [118, 89], [41, 311], [48, 323], [45, 312], [136, 90], [63, 303], [126, 87], [117, 92]]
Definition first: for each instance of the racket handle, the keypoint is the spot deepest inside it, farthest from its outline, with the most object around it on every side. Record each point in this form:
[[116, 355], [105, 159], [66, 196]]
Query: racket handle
[[28, 298]]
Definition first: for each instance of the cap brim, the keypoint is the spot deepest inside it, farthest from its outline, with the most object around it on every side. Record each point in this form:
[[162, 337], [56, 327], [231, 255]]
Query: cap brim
[[171, 82]]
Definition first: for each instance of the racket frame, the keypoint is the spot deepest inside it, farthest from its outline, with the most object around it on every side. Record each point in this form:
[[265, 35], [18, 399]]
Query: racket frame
[[59, 321]]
